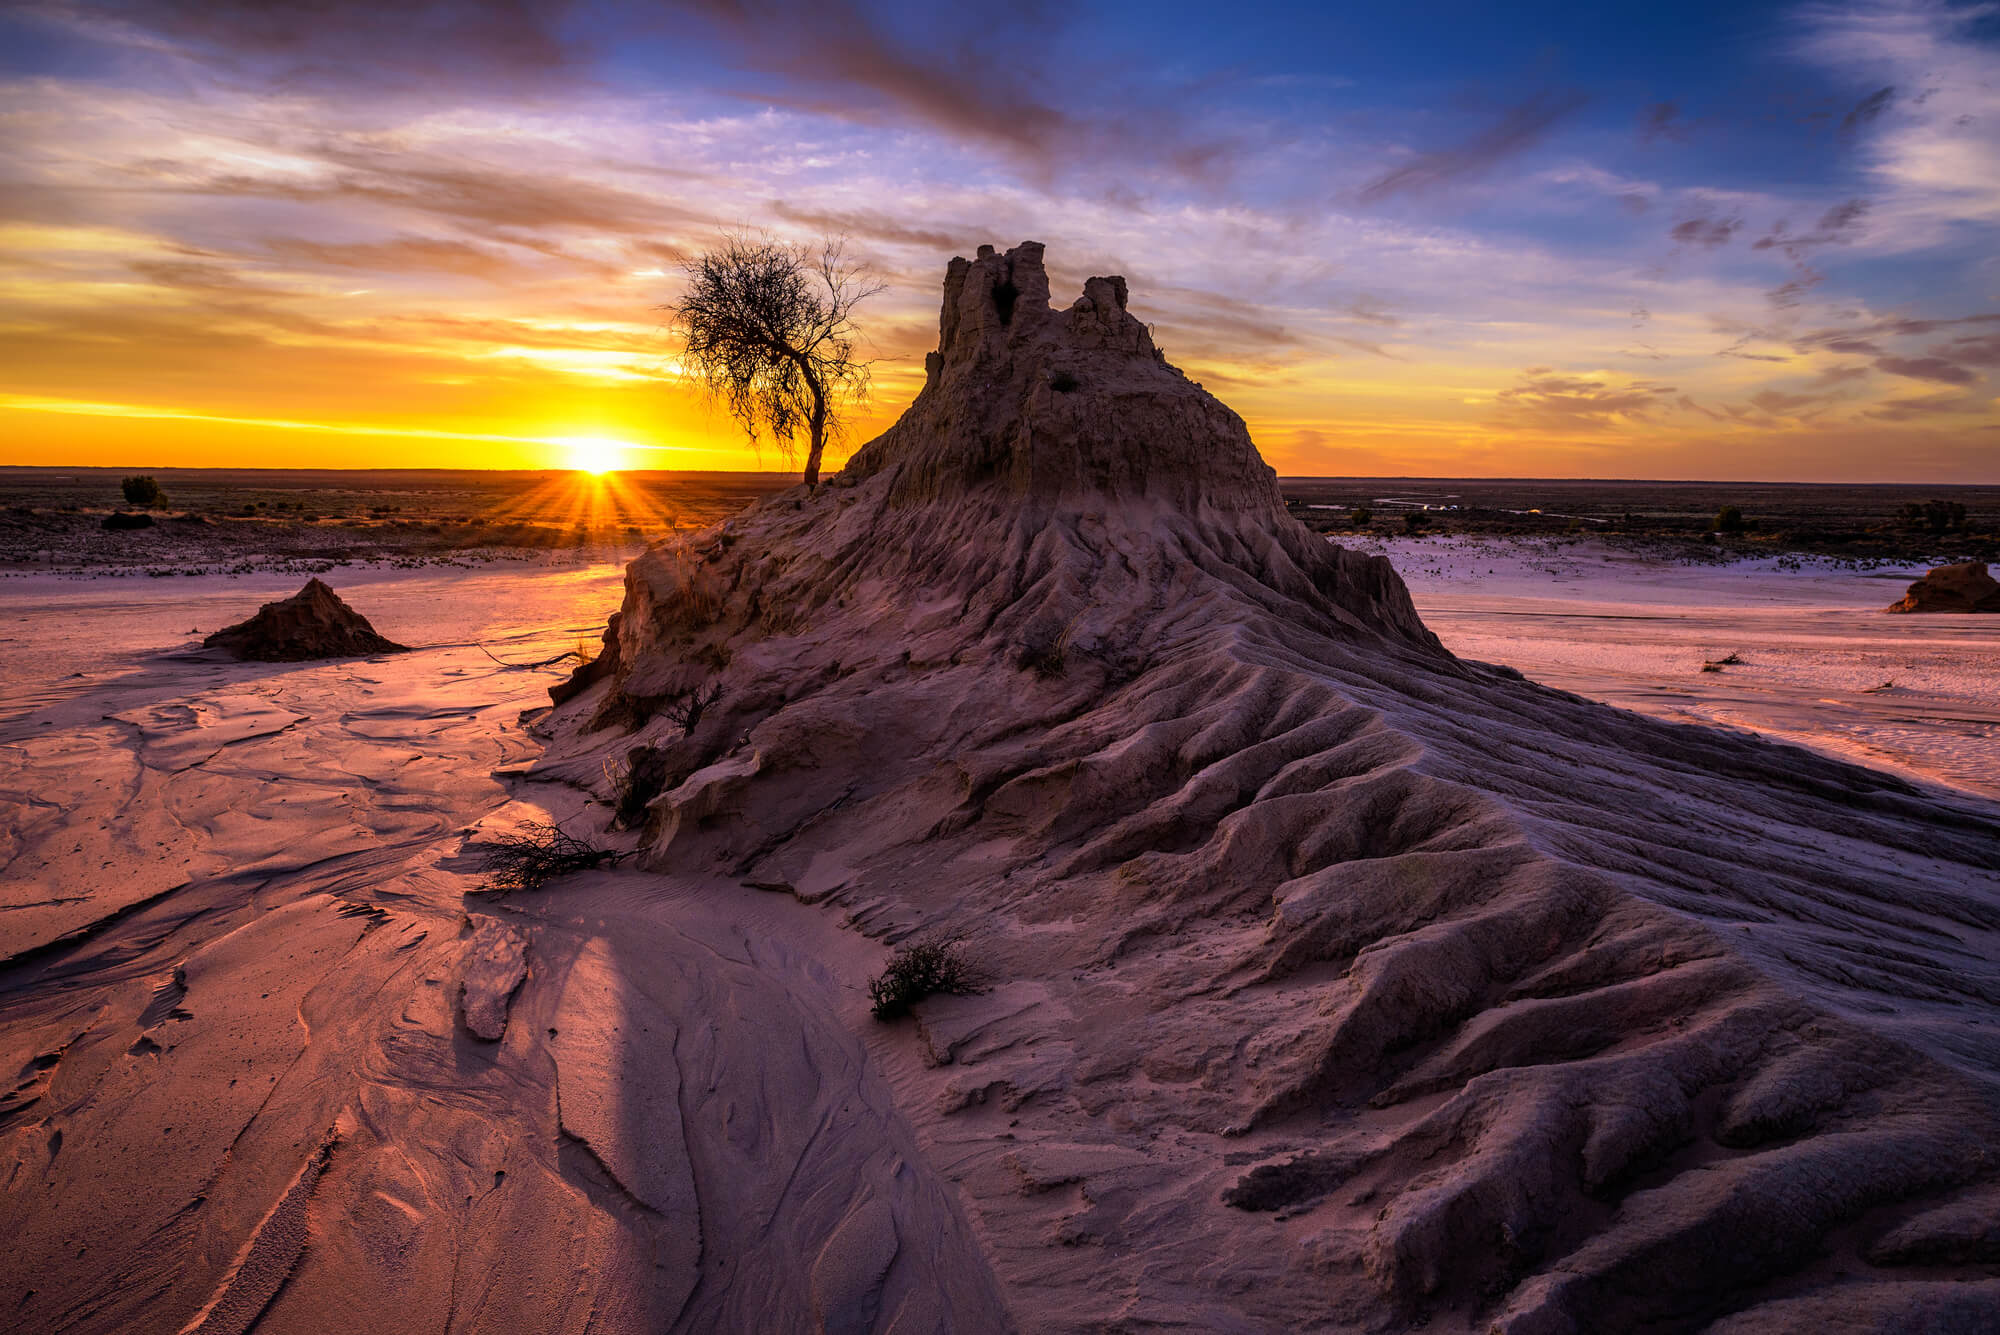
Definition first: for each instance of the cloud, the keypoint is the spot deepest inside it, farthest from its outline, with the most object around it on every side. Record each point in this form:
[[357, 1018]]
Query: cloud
[[1544, 397], [1927, 368], [1662, 120], [1867, 109], [1780, 404], [1520, 128], [1838, 226], [1933, 157], [1927, 405], [1706, 232], [401, 254], [353, 43], [837, 59], [869, 225], [1980, 351], [521, 201]]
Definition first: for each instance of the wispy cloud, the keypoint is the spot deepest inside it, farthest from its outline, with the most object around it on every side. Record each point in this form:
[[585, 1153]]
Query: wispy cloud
[[1519, 128]]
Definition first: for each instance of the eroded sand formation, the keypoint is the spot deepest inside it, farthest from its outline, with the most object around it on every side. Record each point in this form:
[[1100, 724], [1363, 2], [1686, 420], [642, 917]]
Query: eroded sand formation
[[1337, 982], [312, 623], [1965, 587]]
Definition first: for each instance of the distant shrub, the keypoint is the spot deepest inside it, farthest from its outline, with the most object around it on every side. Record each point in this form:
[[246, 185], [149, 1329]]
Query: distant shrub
[[1362, 516], [1729, 519], [121, 521], [1935, 516], [142, 490], [921, 969], [1416, 522]]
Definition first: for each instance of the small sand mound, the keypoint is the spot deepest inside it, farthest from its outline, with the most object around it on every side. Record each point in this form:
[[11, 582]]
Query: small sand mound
[[1965, 587], [312, 623]]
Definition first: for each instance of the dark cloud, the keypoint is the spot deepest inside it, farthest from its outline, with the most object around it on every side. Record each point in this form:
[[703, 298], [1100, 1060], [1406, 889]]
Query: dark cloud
[[1927, 368], [472, 193], [1780, 404], [1520, 128], [402, 254], [1706, 232], [1980, 351], [1927, 405], [1840, 375], [352, 42], [196, 276], [985, 84], [1836, 227], [1867, 109], [1787, 295], [867, 225], [1225, 326], [1871, 338], [1662, 120]]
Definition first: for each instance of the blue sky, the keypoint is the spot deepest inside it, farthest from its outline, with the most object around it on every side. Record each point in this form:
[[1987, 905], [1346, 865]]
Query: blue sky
[[1706, 240]]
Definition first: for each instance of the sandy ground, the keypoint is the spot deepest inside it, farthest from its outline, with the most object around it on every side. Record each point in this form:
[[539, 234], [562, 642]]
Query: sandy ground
[[271, 1067], [1822, 665]]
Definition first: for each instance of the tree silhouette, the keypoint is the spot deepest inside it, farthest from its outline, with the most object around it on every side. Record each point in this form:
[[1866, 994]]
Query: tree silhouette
[[769, 333]]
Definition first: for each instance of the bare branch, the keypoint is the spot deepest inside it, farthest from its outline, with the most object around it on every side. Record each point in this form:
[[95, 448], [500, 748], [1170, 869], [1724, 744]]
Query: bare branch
[[769, 332]]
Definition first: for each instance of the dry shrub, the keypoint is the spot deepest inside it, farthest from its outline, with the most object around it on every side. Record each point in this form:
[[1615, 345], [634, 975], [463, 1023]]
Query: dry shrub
[[537, 855], [918, 970]]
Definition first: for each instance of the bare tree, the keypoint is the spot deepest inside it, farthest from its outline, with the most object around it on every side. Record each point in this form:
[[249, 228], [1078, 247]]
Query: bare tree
[[770, 333]]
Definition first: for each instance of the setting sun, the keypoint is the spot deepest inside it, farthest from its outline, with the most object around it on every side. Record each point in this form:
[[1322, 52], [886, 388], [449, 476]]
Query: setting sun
[[594, 454]]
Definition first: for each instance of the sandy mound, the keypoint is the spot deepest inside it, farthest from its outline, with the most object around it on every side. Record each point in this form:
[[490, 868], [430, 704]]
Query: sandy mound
[[1965, 587], [1338, 983], [312, 623]]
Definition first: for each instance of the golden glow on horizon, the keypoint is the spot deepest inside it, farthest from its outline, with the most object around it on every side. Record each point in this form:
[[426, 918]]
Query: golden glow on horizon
[[595, 454]]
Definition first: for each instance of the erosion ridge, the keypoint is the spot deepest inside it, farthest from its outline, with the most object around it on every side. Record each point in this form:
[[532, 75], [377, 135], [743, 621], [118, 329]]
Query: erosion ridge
[[1342, 983]]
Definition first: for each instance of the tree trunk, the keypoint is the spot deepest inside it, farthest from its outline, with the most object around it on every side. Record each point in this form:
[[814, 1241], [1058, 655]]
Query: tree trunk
[[818, 428]]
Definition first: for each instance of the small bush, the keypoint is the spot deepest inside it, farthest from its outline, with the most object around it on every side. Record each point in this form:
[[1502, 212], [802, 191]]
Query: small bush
[[1414, 522], [1361, 516], [539, 854], [142, 490], [633, 788], [1729, 519], [687, 710], [919, 970], [120, 521]]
